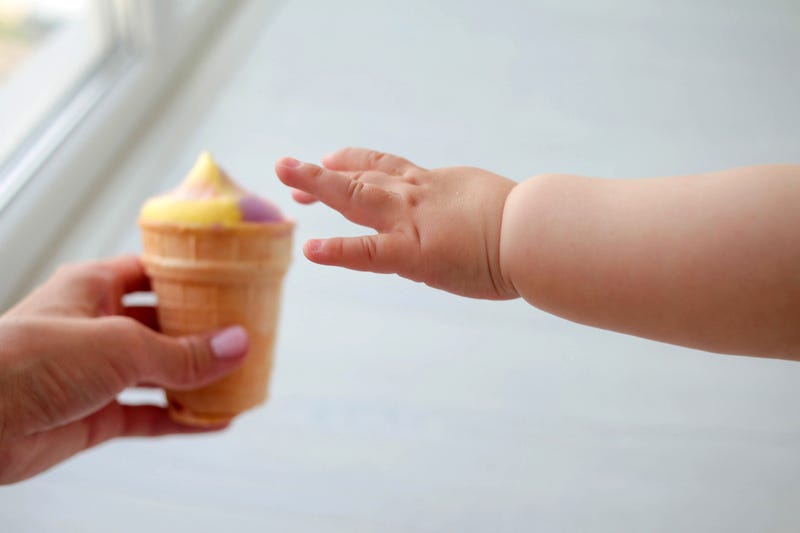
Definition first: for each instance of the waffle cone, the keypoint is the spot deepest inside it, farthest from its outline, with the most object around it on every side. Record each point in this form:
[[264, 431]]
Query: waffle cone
[[210, 277]]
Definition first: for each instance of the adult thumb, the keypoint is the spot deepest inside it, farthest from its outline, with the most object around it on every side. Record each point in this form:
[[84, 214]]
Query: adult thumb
[[196, 360]]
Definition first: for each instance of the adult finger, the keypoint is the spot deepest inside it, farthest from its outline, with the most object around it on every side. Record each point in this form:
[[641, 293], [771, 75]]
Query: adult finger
[[144, 314], [87, 289], [70, 368], [127, 271], [366, 159], [120, 420], [193, 361], [36, 453], [383, 253], [116, 275], [359, 201]]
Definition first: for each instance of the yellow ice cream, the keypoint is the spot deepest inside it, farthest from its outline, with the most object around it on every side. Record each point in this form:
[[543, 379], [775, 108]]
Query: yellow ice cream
[[208, 197]]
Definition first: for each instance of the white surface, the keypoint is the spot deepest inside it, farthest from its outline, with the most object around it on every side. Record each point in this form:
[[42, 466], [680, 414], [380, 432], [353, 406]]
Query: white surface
[[399, 408]]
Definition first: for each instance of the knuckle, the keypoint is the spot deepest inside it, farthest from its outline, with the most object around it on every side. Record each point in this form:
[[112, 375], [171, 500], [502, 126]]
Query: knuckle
[[381, 201], [71, 272], [411, 180], [370, 249], [101, 280], [412, 232], [122, 328], [335, 248], [128, 341], [90, 274], [374, 158], [364, 188], [411, 199], [314, 171], [355, 189], [191, 366]]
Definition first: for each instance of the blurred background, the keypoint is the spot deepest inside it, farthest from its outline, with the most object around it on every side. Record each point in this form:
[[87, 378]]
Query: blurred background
[[396, 407]]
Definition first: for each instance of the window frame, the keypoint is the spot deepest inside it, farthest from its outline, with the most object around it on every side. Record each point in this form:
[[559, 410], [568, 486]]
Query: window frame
[[64, 59], [65, 165]]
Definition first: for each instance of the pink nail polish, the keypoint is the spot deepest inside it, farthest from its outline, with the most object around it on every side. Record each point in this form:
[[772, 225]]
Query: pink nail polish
[[230, 342], [290, 162]]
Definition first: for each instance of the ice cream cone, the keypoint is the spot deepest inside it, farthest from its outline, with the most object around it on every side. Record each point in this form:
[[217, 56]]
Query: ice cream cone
[[210, 277]]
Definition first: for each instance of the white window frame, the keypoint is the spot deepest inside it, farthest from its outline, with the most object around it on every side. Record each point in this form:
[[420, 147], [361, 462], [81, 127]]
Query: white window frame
[[66, 56], [67, 162]]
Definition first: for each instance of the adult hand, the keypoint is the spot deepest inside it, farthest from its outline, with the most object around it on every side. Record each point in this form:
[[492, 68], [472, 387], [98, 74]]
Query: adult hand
[[70, 347]]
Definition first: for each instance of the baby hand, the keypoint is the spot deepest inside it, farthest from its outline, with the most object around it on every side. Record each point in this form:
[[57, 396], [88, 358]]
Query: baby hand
[[440, 226]]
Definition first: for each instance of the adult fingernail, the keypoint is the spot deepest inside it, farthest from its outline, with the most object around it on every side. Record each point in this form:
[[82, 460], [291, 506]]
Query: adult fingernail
[[290, 162], [230, 342]]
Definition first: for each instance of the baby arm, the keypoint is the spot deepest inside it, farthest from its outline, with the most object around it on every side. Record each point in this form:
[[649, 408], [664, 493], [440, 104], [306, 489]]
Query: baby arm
[[710, 261]]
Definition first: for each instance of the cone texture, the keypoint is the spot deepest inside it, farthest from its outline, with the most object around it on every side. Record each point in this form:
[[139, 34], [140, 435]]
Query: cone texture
[[208, 278]]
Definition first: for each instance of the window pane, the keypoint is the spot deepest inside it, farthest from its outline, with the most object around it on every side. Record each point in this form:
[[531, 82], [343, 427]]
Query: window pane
[[46, 48]]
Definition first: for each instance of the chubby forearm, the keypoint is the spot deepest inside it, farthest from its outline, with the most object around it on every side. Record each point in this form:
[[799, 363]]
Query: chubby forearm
[[710, 261]]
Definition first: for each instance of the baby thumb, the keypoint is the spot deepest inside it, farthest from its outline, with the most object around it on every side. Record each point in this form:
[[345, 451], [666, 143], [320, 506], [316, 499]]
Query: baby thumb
[[196, 360]]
